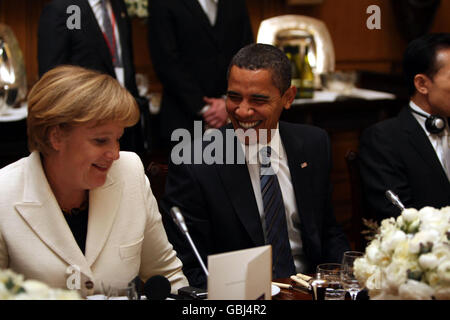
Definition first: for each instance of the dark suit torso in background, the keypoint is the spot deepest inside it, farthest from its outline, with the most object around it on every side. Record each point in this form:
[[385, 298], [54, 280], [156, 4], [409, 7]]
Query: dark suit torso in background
[[86, 47], [396, 154], [221, 212], [191, 57]]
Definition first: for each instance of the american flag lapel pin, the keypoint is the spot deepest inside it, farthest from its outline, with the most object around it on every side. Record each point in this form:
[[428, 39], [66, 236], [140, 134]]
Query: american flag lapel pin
[[304, 165], [123, 15]]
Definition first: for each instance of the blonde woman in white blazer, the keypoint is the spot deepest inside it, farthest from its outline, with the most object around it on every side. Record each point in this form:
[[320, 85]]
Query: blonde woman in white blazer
[[77, 213]]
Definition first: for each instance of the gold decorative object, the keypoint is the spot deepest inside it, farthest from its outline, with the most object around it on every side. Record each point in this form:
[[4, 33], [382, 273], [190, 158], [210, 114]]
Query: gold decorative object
[[13, 81], [301, 31]]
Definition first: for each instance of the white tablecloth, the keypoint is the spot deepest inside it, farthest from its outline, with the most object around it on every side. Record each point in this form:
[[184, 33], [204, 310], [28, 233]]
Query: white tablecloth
[[15, 114], [329, 96]]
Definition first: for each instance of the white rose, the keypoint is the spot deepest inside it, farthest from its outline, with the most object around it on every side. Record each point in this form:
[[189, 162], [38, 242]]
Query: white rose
[[35, 289], [395, 274], [428, 261], [409, 215], [391, 242], [363, 269], [373, 252], [442, 252], [432, 278], [432, 219], [423, 237], [425, 211], [415, 290], [4, 293], [401, 252], [443, 271], [375, 281]]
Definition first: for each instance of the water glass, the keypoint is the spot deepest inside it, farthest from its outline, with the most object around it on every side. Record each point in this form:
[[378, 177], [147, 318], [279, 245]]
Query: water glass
[[348, 278], [331, 273]]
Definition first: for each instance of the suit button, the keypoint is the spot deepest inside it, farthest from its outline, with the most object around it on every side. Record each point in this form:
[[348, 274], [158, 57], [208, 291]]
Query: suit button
[[89, 284]]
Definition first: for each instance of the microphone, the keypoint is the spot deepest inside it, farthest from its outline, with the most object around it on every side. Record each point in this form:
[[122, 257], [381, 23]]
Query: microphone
[[179, 221], [157, 288], [393, 198]]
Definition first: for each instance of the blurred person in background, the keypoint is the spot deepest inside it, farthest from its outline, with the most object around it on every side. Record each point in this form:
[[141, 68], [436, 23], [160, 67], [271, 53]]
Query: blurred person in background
[[191, 44], [103, 42], [410, 154]]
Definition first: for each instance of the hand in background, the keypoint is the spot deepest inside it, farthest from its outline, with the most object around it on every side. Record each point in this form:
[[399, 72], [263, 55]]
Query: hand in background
[[216, 116]]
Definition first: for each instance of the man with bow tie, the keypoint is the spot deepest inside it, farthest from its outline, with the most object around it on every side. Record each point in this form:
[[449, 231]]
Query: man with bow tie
[[409, 154], [102, 42], [269, 180]]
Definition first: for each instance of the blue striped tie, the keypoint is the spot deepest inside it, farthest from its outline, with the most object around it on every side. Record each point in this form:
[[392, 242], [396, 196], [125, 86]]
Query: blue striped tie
[[275, 216]]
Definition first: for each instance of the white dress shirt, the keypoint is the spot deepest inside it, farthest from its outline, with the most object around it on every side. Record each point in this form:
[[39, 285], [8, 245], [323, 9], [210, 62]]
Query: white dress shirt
[[97, 9], [278, 161], [440, 142], [210, 8]]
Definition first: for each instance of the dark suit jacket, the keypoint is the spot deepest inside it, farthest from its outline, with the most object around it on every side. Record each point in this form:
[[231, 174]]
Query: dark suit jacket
[[191, 57], [396, 154], [85, 47], [221, 213]]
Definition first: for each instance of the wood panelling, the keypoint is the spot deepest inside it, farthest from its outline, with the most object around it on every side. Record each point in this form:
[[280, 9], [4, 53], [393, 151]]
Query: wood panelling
[[356, 47]]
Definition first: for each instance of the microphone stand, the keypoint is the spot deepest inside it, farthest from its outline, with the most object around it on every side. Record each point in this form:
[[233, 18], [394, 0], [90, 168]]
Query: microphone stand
[[393, 198], [179, 221]]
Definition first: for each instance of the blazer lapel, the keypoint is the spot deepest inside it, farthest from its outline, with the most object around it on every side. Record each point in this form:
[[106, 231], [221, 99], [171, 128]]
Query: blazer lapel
[[41, 211], [197, 11], [238, 186], [103, 206], [422, 145]]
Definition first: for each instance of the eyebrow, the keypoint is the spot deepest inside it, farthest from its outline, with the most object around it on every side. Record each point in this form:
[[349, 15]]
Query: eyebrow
[[260, 96], [257, 96]]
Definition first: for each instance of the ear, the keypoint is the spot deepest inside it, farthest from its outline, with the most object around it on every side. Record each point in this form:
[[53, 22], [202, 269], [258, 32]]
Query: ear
[[289, 96], [55, 137], [422, 82]]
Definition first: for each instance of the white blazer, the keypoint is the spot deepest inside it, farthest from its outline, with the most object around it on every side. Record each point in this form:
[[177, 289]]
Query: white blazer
[[125, 236]]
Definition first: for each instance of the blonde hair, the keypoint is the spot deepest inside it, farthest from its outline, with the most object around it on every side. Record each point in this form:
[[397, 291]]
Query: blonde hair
[[70, 95]]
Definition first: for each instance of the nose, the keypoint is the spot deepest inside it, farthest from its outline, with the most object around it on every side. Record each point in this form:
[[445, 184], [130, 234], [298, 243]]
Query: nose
[[114, 152], [244, 110]]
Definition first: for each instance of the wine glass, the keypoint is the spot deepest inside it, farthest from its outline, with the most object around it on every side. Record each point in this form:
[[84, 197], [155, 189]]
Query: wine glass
[[349, 281]]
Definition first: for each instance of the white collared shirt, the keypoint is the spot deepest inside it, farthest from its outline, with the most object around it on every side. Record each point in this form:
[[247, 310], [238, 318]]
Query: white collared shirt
[[97, 9], [440, 142], [279, 163], [210, 8]]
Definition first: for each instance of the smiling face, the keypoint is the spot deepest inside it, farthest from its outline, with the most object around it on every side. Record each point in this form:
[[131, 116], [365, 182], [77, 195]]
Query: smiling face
[[84, 154], [253, 101]]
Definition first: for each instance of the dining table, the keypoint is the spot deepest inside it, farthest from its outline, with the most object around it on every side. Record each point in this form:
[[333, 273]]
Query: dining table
[[291, 294]]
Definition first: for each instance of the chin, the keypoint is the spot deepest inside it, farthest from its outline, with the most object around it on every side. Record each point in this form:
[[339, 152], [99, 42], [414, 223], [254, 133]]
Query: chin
[[97, 183]]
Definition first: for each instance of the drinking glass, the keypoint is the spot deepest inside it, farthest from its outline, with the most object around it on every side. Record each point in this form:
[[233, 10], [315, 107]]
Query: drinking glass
[[348, 278], [331, 273]]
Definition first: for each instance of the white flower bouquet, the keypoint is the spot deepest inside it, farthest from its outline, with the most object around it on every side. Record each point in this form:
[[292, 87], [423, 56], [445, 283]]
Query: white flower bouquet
[[137, 8], [409, 258], [14, 287]]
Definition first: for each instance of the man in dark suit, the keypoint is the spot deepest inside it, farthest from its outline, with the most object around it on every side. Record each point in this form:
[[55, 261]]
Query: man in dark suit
[[409, 154], [191, 44], [225, 194], [91, 46]]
